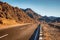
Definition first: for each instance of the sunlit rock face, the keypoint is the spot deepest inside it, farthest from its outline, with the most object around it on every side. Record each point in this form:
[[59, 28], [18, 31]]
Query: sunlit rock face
[[9, 12]]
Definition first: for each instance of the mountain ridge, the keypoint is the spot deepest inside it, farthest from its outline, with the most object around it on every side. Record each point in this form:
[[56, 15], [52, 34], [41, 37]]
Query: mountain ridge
[[17, 15], [13, 13]]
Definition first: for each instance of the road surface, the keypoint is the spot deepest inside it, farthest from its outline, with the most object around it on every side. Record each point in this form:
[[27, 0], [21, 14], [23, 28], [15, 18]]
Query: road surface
[[23, 32]]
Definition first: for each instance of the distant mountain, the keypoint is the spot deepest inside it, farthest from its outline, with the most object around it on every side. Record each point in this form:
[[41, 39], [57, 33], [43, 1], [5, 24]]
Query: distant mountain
[[49, 19], [45, 18], [56, 20], [52, 17]]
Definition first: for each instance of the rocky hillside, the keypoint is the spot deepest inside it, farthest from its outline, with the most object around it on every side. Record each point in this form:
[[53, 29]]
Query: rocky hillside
[[10, 14], [32, 14]]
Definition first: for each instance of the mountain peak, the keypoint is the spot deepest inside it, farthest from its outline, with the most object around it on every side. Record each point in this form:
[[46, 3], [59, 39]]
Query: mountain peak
[[28, 9]]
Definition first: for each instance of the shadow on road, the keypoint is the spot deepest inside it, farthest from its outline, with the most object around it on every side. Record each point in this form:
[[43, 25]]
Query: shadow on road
[[36, 33]]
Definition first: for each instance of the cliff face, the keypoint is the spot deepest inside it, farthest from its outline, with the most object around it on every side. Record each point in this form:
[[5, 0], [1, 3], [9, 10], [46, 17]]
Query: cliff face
[[7, 12]]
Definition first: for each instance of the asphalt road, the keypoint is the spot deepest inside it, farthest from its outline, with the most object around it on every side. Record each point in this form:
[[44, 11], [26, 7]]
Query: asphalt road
[[23, 32]]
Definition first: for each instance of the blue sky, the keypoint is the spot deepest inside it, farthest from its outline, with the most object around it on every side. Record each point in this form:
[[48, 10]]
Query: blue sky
[[42, 7]]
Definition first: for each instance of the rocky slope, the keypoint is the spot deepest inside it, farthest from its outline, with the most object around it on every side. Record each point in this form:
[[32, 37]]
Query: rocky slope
[[32, 14], [10, 14]]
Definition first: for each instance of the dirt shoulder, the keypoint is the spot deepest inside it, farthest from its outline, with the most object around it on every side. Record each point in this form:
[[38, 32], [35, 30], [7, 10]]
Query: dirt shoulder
[[50, 33]]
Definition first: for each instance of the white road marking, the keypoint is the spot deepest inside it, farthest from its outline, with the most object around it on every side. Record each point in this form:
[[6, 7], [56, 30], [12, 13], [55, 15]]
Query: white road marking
[[41, 33], [4, 36], [40, 38]]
